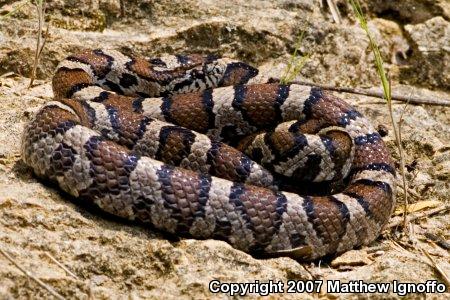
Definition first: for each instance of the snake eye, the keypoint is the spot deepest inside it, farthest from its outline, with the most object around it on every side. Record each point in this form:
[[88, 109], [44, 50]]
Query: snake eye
[[158, 62]]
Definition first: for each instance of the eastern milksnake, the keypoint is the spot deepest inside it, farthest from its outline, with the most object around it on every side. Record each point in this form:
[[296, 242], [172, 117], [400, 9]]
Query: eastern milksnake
[[117, 135]]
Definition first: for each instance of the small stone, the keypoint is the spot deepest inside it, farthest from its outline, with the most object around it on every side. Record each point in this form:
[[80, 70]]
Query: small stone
[[99, 279], [352, 258], [378, 253]]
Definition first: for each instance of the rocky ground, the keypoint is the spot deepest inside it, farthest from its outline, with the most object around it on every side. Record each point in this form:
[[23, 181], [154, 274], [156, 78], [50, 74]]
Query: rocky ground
[[110, 258]]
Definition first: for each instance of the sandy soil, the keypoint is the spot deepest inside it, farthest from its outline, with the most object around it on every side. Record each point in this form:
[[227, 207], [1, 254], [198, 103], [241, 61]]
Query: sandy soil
[[114, 259]]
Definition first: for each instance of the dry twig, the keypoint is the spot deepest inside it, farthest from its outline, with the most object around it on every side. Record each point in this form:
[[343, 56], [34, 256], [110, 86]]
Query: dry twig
[[437, 240], [398, 246], [61, 265], [41, 39], [377, 94], [31, 276], [374, 249], [397, 221], [8, 74], [334, 11]]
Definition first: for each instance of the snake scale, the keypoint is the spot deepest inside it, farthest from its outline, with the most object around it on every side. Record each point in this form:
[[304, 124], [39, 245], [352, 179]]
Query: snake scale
[[185, 143]]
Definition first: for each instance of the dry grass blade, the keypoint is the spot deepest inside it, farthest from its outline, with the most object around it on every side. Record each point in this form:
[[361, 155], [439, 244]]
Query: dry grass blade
[[296, 63], [398, 137], [14, 10], [437, 267], [61, 265], [8, 74], [28, 274], [41, 39], [334, 11], [387, 91]]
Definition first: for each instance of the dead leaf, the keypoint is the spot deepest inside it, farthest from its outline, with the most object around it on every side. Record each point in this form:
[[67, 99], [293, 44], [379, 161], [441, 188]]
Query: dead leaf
[[418, 206]]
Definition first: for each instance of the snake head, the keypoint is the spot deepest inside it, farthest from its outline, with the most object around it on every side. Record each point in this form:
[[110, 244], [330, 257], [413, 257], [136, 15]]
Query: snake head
[[237, 73]]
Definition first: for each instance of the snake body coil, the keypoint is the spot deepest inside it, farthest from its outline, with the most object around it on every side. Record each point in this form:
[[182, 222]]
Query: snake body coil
[[183, 143]]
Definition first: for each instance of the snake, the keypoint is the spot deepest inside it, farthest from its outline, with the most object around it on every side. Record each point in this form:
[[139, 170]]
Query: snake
[[190, 145]]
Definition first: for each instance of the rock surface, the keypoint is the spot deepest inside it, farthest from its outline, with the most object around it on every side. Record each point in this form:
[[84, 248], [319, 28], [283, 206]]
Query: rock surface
[[115, 259], [431, 44], [410, 11]]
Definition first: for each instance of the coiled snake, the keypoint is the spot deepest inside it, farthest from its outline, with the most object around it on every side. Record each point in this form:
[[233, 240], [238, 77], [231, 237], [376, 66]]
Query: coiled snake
[[183, 143]]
